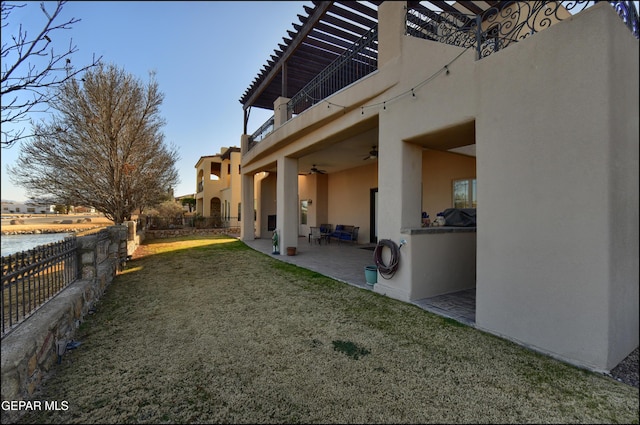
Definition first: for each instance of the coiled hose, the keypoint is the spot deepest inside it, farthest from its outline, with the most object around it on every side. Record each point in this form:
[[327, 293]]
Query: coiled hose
[[387, 270]]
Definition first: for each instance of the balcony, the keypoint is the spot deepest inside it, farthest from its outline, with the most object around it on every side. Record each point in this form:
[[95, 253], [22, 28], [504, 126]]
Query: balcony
[[358, 61], [334, 49]]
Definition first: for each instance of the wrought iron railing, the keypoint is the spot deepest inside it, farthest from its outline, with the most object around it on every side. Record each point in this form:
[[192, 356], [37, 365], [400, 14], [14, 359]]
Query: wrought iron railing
[[262, 132], [31, 278], [502, 25], [192, 221], [158, 222], [495, 29], [358, 61]]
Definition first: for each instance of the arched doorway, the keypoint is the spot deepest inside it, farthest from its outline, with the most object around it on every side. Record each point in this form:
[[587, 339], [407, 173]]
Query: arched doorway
[[215, 211]]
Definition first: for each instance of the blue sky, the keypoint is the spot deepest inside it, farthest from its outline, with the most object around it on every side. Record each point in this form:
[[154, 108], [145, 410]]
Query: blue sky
[[205, 55]]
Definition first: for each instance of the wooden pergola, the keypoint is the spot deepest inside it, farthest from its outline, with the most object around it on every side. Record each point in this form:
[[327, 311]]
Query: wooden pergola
[[324, 34]]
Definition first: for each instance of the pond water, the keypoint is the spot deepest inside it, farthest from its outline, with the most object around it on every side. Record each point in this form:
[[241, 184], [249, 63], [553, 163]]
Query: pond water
[[16, 243]]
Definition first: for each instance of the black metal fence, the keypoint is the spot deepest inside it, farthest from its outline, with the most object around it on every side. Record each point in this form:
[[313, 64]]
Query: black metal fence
[[185, 222], [31, 278]]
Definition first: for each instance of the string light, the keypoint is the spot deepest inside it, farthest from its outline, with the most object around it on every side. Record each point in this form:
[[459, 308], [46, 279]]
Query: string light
[[445, 68]]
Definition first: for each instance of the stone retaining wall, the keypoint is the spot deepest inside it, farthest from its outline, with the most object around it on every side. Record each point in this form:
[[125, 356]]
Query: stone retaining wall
[[29, 351], [171, 233]]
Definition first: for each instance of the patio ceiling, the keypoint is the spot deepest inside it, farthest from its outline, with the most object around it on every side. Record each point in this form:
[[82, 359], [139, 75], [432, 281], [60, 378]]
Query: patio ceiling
[[323, 34]]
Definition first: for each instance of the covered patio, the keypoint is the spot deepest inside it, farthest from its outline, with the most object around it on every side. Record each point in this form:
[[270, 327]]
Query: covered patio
[[346, 263], [384, 151]]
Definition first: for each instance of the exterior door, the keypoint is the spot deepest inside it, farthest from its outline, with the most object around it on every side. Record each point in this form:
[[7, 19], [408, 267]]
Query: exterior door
[[373, 220]]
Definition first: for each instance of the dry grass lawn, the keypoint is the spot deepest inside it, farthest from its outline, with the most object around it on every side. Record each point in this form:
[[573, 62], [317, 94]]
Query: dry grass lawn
[[206, 330]]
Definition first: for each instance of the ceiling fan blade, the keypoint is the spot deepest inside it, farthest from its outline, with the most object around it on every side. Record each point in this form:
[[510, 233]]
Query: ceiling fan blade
[[373, 154], [315, 170]]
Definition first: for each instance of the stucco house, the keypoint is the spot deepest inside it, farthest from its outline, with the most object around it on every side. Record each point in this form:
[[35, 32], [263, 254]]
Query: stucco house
[[527, 111], [11, 207], [218, 186]]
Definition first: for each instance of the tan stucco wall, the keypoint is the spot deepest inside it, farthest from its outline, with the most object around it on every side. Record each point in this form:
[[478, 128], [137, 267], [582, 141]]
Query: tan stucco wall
[[441, 262], [268, 205], [349, 198], [439, 170], [314, 187], [227, 187], [557, 181], [554, 121]]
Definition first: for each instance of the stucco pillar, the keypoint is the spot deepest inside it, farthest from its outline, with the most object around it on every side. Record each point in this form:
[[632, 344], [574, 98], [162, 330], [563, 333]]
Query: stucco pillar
[[247, 231], [244, 143], [287, 202], [399, 203], [400, 187], [280, 112], [391, 29]]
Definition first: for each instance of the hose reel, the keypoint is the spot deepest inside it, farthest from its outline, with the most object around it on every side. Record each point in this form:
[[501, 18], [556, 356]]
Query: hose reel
[[387, 270]]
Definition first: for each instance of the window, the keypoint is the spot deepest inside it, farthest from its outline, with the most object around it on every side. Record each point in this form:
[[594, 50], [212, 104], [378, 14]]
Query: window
[[239, 211], [304, 206], [464, 193]]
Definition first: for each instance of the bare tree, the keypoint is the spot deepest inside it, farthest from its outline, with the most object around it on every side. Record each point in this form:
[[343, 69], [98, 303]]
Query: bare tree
[[104, 148], [30, 67]]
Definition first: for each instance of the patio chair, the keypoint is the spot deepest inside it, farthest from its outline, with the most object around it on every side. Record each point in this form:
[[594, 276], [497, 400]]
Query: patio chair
[[325, 230], [315, 235]]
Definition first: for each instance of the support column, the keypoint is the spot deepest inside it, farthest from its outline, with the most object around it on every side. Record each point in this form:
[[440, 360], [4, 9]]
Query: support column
[[280, 112], [287, 202], [391, 30], [400, 187], [244, 143], [399, 190], [247, 225]]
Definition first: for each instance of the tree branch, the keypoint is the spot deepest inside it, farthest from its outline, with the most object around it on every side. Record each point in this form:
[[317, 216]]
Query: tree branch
[[32, 70]]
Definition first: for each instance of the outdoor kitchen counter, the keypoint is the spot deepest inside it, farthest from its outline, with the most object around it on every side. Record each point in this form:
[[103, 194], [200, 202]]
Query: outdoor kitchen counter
[[443, 259], [437, 229]]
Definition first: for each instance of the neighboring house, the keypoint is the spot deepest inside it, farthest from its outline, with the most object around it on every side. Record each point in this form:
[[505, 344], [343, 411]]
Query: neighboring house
[[185, 207], [542, 132], [10, 207], [218, 187], [84, 210]]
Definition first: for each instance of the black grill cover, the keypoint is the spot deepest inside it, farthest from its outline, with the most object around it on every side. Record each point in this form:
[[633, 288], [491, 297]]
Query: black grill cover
[[460, 217]]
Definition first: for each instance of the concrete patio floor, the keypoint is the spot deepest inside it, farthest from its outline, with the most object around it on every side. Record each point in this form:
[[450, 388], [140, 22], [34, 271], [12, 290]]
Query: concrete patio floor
[[346, 262]]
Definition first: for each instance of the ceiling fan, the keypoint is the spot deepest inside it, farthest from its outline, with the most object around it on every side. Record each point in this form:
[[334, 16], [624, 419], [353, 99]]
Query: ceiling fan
[[373, 153], [315, 170]]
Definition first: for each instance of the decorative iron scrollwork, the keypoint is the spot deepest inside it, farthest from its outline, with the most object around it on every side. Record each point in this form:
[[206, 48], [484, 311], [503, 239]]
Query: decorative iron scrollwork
[[503, 24]]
